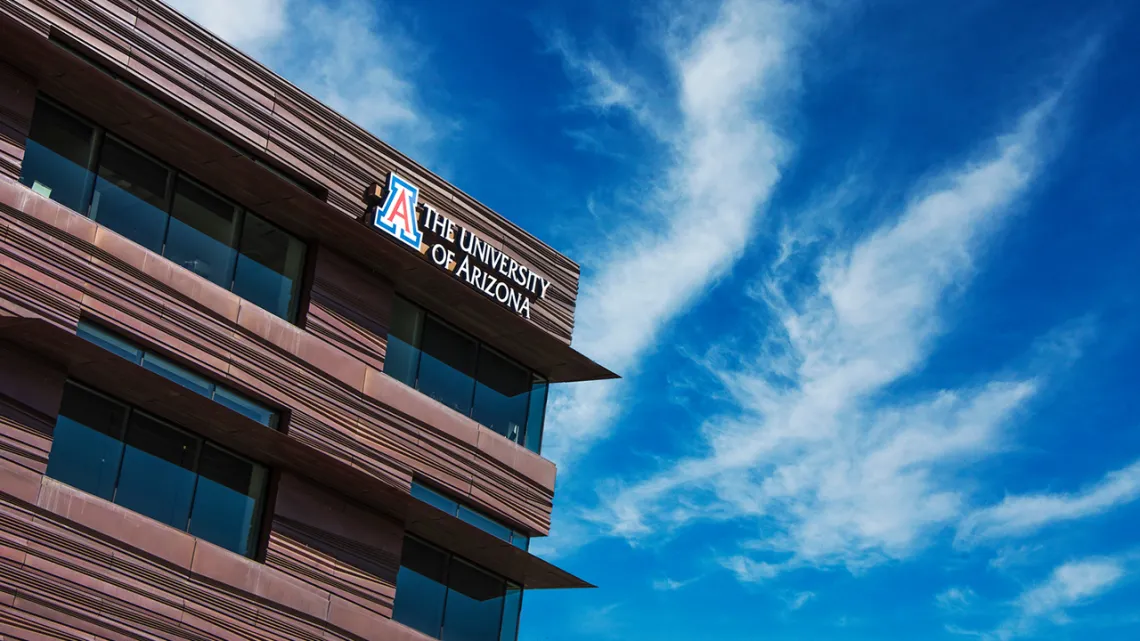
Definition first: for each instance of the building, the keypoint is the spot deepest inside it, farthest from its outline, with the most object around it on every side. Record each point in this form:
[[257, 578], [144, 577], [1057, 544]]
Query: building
[[261, 375]]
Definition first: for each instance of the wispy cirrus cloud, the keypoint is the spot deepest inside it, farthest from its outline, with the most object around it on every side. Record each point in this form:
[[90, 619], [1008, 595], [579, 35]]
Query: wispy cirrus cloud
[[720, 156], [1023, 515], [955, 598], [341, 52], [828, 470], [1070, 585]]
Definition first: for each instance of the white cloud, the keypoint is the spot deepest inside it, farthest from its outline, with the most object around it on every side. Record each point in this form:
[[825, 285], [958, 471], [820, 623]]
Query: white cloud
[[721, 159], [1018, 516], [1070, 585], [955, 598], [342, 53], [829, 471], [246, 24], [670, 585], [800, 599]]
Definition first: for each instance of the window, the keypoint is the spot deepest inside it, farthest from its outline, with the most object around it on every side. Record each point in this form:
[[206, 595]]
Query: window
[[184, 377], [147, 465], [471, 378], [464, 513], [447, 598], [89, 170]]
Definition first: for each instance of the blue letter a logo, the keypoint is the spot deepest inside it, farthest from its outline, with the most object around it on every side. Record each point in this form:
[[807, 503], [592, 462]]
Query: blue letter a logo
[[398, 215]]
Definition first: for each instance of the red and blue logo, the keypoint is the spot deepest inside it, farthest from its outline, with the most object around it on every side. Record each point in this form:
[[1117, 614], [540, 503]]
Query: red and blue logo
[[397, 215]]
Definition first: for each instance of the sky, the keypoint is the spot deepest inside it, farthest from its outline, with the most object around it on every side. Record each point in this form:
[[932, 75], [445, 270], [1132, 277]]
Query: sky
[[869, 271]]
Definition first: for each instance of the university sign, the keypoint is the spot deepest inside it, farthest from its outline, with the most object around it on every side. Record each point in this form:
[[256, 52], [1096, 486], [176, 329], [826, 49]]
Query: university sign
[[452, 247]]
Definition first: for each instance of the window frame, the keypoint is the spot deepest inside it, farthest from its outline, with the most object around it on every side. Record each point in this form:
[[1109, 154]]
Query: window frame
[[278, 417], [450, 558], [257, 519], [480, 345], [100, 136]]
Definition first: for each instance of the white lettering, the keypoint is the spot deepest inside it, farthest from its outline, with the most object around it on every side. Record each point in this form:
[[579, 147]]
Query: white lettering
[[524, 309], [439, 255], [436, 223], [502, 292], [545, 286], [466, 240], [464, 270]]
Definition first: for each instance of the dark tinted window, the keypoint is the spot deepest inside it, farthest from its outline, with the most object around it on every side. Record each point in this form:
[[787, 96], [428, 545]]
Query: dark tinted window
[[270, 267], [420, 588], [184, 377], [57, 156], [115, 452], [536, 415], [471, 378], [512, 607], [87, 444], [402, 358], [157, 478], [203, 232], [130, 195], [446, 598], [447, 366], [474, 604], [95, 174], [484, 523], [502, 390], [227, 501]]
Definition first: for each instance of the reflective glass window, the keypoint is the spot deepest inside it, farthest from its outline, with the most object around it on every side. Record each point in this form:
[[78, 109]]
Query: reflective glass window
[[447, 598], [536, 415], [130, 195], [87, 444], [58, 153], [447, 366], [502, 390], [474, 604], [484, 523], [512, 608], [432, 497], [184, 377], [270, 267], [115, 452], [92, 172], [110, 342], [157, 478], [178, 374], [421, 588], [471, 378], [402, 358], [227, 502], [202, 233], [243, 405]]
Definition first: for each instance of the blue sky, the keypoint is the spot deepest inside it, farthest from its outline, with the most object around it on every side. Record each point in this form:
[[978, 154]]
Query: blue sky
[[869, 270]]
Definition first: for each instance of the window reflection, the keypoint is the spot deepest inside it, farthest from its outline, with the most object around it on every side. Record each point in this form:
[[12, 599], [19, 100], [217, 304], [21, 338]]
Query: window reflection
[[420, 588], [57, 157], [94, 173], [447, 598], [501, 394], [115, 452], [474, 604], [269, 267], [447, 366], [157, 477], [202, 233], [455, 369], [227, 500], [88, 442], [130, 195]]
